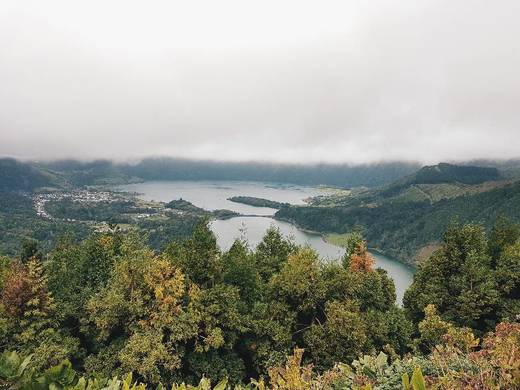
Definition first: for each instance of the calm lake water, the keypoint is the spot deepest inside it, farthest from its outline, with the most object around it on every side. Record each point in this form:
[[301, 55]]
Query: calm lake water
[[212, 195]]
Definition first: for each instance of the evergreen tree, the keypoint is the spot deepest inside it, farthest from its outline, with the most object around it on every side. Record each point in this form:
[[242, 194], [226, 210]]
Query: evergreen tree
[[272, 252], [459, 280]]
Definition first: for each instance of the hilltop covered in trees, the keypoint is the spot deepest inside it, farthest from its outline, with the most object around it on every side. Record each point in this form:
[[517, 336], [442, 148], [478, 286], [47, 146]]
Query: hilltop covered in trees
[[258, 202], [110, 306], [406, 219]]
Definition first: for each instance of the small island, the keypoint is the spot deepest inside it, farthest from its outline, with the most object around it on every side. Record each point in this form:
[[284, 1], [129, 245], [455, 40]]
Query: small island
[[187, 207], [183, 205], [258, 202]]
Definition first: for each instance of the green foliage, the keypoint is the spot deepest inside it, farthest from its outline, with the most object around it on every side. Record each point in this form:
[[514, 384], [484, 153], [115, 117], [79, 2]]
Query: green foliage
[[350, 242], [12, 365], [29, 318], [508, 281], [29, 249], [417, 382], [298, 283], [401, 225], [432, 329], [198, 257], [272, 252], [110, 305], [340, 339], [258, 202], [503, 234], [77, 271], [19, 222], [461, 279], [496, 366], [239, 269]]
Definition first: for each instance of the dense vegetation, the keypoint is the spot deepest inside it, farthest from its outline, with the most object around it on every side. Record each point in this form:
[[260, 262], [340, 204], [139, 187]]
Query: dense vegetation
[[17, 176], [400, 221], [188, 207], [449, 173], [109, 305], [116, 211], [258, 202], [19, 221]]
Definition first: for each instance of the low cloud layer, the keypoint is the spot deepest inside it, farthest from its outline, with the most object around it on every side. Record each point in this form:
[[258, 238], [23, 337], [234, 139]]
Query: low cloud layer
[[291, 81]]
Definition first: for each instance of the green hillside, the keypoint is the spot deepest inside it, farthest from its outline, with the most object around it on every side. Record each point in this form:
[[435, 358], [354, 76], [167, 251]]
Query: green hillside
[[405, 218], [19, 176], [449, 173]]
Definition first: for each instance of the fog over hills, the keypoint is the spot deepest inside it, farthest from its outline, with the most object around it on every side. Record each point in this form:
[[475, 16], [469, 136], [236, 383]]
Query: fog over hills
[[354, 81]]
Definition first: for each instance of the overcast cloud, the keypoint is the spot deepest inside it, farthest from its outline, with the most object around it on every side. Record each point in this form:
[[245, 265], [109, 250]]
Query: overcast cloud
[[291, 81]]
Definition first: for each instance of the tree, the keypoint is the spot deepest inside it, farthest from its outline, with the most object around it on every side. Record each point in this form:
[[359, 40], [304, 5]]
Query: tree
[[351, 244], [431, 329], [388, 330], [272, 252], [340, 338], [360, 259], [503, 234], [77, 271], [31, 314], [299, 282], [508, 282], [145, 304], [198, 256], [375, 290], [459, 280], [239, 269], [30, 248]]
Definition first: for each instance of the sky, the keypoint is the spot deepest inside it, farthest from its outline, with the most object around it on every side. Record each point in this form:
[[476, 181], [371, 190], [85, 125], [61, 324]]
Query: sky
[[283, 81]]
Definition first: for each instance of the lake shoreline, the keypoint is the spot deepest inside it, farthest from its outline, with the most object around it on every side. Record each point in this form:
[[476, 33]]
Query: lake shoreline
[[253, 222], [324, 237]]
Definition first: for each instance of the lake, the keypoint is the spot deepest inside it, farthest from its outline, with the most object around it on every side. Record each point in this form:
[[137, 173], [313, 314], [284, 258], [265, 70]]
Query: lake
[[212, 195]]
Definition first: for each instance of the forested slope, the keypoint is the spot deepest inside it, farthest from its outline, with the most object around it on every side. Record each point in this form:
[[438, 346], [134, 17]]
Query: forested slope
[[109, 305], [401, 219], [19, 176]]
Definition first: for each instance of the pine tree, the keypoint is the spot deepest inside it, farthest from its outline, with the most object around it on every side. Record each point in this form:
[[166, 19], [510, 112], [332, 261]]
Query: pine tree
[[39, 308]]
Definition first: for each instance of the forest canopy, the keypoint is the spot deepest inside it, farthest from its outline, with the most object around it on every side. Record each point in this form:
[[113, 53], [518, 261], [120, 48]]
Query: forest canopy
[[109, 305]]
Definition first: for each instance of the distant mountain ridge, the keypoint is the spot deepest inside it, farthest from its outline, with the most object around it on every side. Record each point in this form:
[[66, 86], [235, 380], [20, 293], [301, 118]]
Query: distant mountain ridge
[[339, 175], [389, 176], [443, 173], [19, 176], [449, 173], [31, 175]]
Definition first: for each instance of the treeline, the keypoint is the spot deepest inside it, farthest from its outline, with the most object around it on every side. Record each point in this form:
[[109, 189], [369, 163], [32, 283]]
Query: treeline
[[110, 305], [343, 175], [401, 229]]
